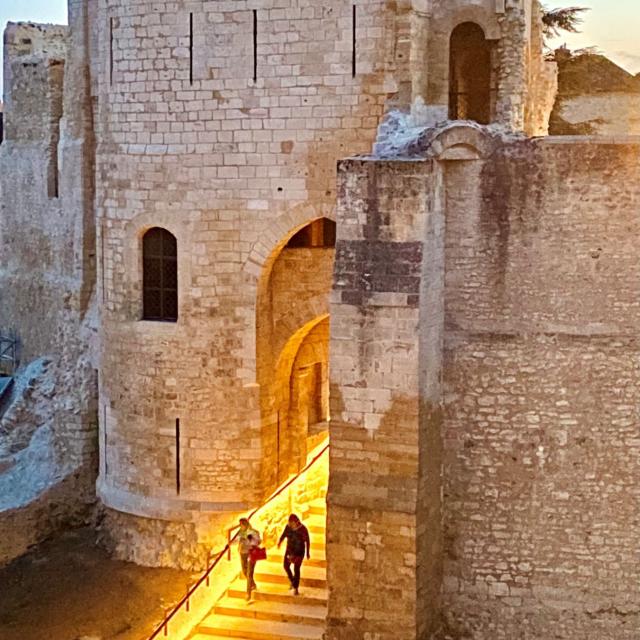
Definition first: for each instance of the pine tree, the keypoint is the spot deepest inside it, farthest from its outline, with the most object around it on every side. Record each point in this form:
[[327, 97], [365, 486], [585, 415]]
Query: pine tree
[[557, 20]]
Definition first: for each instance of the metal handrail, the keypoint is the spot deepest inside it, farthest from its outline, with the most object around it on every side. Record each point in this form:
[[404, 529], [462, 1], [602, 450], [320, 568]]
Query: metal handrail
[[164, 626], [9, 350]]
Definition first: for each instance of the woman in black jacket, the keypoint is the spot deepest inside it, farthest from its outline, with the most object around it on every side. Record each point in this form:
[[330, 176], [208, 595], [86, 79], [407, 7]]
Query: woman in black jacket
[[298, 546]]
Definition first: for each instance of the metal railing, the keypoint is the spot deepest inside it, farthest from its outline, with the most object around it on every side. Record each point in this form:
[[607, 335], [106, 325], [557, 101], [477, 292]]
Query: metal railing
[[9, 353], [205, 579]]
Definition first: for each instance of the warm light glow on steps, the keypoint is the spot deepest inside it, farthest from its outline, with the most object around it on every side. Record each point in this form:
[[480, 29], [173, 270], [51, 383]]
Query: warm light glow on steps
[[275, 613], [220, 610]]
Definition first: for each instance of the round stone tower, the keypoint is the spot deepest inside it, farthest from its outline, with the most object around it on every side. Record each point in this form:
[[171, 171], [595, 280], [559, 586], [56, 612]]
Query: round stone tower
[[219, 129], [219, 126]]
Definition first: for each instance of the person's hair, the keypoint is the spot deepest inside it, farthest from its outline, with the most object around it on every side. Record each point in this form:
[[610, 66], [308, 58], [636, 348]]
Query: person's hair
[[294, 518], [244, 521]]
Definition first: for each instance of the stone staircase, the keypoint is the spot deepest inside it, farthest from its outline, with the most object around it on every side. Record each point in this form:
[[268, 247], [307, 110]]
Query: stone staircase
[[275, 613]]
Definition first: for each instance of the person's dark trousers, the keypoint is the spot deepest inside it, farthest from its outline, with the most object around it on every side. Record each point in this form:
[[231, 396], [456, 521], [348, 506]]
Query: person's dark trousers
[[251, 585], [244, 561], [294, 577]]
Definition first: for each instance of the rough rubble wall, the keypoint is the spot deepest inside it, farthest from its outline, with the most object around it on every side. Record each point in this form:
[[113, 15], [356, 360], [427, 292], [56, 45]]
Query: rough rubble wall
[[64, 504], [595, 96], [46, 282], [374, 521], [541, 453], [539, 364], [185, 545], [606, 114], [45, 484], [232, 167]]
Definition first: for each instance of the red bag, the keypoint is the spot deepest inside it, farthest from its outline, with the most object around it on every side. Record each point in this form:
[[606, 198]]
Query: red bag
[[257, 553]]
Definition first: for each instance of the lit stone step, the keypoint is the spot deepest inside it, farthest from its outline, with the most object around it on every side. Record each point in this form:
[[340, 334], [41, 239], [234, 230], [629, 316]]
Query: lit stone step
[[318, 508], [316, 524], [290, 611], [274, 592], [234, 627], [317, 545], [273, 572]]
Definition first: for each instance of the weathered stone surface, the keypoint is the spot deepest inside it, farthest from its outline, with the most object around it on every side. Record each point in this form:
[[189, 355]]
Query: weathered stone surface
[[595, 96], [483, 305], [67, 503], [233, 166], [48, 453], [531, 438]]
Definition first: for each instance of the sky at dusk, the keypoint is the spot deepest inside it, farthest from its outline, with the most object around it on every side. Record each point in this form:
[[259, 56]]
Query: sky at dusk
[[611, 25]]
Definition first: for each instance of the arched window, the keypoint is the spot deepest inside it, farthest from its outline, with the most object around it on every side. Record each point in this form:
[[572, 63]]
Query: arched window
[[160, 276], [470, 74], [320, 233]]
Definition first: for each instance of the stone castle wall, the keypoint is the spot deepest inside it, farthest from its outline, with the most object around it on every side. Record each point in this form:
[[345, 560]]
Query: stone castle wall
[[483, 306], [47, 279], [379, 470], [221, 123], [529, 246], [540, 355], [232, 166]]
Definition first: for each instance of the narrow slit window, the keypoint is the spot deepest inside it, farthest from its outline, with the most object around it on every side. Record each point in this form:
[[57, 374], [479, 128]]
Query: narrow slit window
[[103, 228], [255, 45], [354, 42], [178, 456], [56, 109], [106, 439], [160, 276], [110, 50], [191, 48]]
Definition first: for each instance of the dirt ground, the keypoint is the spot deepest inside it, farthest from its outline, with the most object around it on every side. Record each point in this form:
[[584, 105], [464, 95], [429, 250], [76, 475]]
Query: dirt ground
[[68, 589]]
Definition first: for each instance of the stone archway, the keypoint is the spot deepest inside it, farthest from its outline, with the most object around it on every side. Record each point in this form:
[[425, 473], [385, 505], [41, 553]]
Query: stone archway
[[292, 300], [301, 395], [469, 74]]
